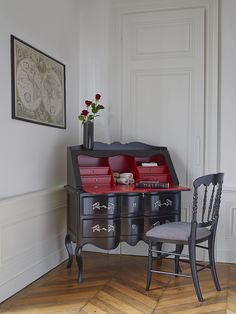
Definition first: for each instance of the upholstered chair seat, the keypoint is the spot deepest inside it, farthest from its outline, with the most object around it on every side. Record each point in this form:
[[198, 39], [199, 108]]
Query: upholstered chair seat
[[176, 231]]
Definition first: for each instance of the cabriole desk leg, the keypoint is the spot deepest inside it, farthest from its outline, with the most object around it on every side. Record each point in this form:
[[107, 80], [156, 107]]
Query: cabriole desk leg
[[69, 250], [79, 259]]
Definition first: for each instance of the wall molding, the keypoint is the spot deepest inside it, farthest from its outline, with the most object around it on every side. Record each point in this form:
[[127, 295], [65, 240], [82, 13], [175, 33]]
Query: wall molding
[[32, 231], [226, 231], [233, 222], [29, 268], [165, 53], [23, 279], [229, 189], [225, 256]]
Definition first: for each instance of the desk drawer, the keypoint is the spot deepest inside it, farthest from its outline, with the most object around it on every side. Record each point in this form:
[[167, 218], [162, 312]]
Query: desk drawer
[[99, 179], [99, 205], [131, 205], [93, 228], [154, 177], [88, 171], [131, 226], [152, 170], [161, 203]]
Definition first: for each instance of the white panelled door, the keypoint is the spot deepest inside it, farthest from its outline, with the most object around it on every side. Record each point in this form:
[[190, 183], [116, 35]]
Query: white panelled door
[[163, 83]]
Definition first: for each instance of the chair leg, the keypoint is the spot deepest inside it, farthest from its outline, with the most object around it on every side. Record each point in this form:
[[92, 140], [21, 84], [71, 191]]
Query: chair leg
[[179, 249], [192, 257], [211, 252], [158, 247], [149, 267]]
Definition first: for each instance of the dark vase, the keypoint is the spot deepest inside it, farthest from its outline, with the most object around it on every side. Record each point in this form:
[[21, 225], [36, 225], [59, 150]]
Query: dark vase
[[88, 136]]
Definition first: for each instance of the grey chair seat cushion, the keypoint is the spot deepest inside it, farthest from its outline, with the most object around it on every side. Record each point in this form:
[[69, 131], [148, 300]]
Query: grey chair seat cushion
[[176, 232]]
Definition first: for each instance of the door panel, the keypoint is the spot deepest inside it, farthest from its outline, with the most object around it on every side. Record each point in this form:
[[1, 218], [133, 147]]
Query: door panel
[[163, 84]]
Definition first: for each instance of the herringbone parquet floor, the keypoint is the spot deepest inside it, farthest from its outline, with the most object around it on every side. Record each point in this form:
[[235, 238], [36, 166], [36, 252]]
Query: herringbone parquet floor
[[116, 284]]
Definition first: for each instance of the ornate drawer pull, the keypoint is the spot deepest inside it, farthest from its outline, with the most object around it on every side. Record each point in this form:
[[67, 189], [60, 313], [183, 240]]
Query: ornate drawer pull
[[97, 205], [133, 226], [99, 229], [166, 203], [156, 224]]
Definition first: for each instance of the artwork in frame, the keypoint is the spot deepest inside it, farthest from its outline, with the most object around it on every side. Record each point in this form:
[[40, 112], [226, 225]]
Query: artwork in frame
[[38, 86]]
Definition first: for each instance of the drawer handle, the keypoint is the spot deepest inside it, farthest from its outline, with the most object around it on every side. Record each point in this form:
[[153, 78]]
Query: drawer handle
[[156, 224], [166, 203], [99, 229], [97, 205]]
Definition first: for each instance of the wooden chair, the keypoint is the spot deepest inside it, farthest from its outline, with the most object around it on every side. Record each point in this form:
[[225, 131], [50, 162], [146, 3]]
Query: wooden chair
[[205, 215]]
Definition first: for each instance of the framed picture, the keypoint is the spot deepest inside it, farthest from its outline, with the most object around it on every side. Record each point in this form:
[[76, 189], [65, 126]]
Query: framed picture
[[38, 86]]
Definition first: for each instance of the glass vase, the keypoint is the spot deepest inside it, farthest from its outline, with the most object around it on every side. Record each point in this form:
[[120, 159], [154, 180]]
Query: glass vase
[[88, 135]]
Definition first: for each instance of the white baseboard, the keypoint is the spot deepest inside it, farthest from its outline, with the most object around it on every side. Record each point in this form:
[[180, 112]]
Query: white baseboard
[[31, 274], [32, 231], [224, 256]]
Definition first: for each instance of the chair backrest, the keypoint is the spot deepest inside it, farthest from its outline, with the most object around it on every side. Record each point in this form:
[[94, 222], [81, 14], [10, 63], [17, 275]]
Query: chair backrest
[[206, 208]]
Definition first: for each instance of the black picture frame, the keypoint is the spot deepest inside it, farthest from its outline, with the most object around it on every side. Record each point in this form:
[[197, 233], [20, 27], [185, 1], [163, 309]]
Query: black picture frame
[[38, 86]]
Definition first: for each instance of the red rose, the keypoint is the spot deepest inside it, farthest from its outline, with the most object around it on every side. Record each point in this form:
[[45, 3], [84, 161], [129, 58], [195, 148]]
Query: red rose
[[98, 96], [88, 102], [84, 113]]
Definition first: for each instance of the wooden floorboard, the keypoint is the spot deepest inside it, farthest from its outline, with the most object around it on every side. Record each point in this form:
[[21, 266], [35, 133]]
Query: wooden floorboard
[[116, 284]]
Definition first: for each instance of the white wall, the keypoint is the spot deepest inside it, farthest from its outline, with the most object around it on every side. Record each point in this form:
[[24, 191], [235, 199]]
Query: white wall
[[33, 157], [94, 60], [226, 248], [228, 90]]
